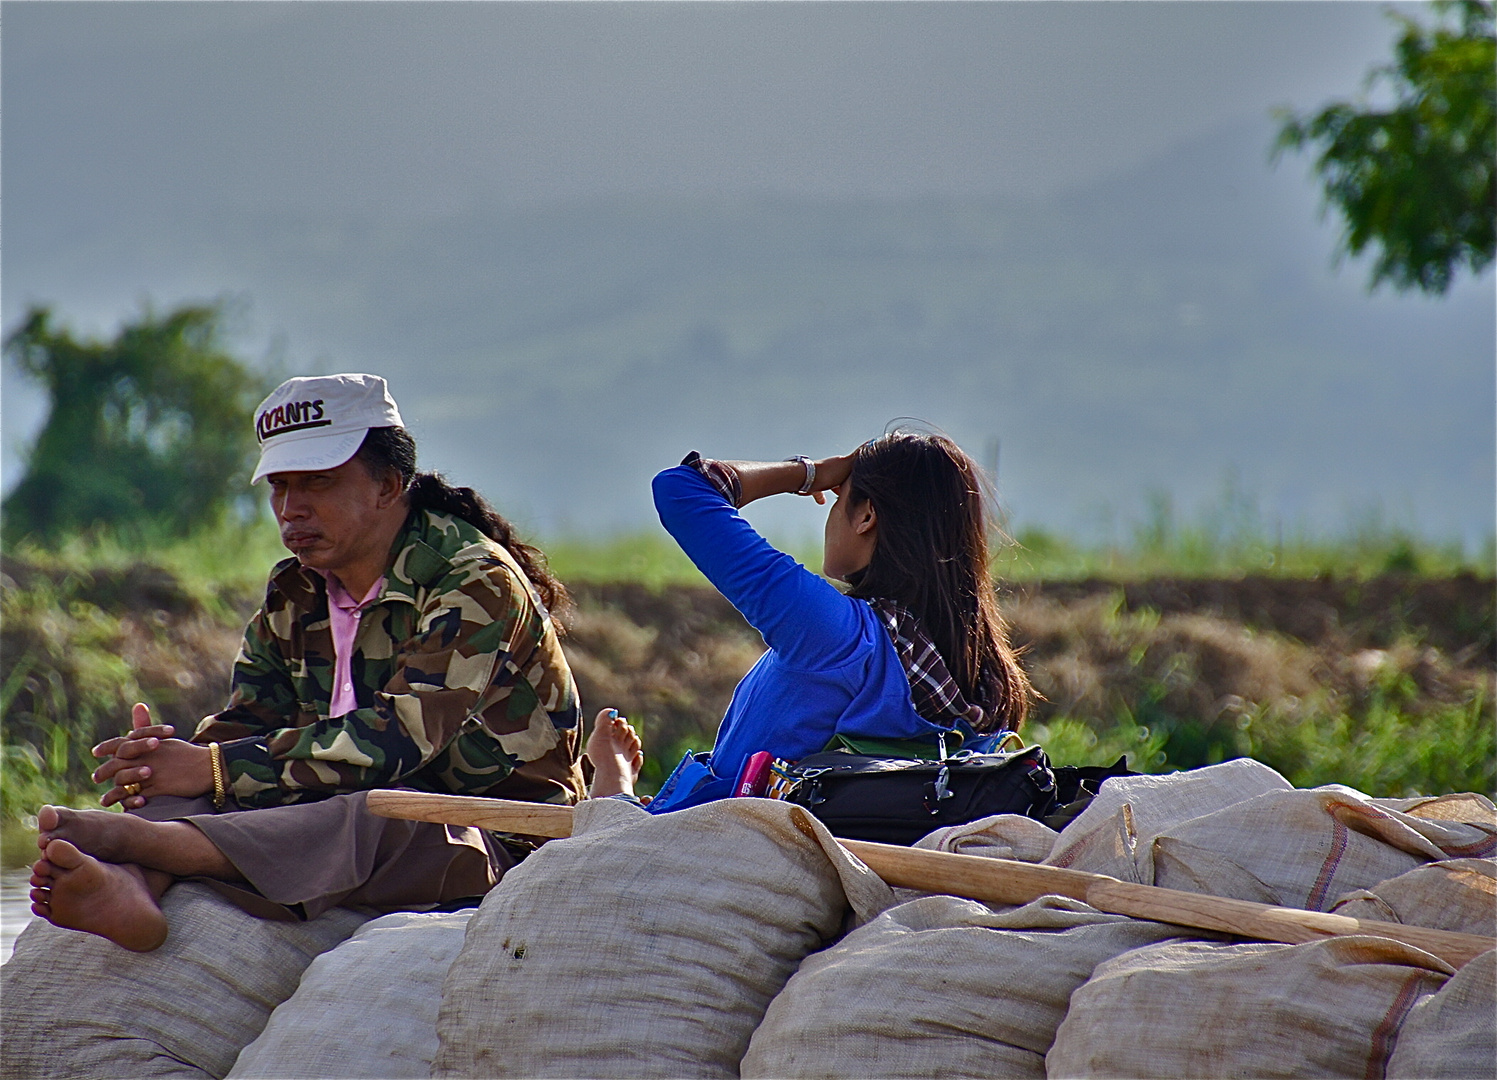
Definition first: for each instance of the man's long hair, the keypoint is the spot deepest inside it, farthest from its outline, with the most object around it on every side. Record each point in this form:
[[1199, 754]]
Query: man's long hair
[[932, 557], [392, 449]]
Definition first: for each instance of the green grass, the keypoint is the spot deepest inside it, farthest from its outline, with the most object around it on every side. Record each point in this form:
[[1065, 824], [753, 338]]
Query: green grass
[[1068, 741], [1224, 544], [1215, 545], [1385, 752], [65, 681], [649, 558], [1035, 554], [1228, 540], [228, 559], [1385, 749]]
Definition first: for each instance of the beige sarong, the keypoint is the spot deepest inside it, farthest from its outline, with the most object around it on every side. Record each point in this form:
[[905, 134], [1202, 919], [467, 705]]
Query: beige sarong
[[298, 861]]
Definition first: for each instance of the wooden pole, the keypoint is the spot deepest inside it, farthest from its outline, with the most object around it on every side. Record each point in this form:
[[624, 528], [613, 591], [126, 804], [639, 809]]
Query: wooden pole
[[1004, 881], [1009, 881], [501, 815]]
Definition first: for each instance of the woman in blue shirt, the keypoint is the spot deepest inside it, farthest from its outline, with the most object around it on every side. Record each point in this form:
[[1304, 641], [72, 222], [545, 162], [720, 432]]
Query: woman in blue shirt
[[915, 649]]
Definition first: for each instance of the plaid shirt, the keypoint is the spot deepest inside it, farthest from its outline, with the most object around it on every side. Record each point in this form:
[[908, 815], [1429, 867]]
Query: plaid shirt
[[720, 475], [935, 694]]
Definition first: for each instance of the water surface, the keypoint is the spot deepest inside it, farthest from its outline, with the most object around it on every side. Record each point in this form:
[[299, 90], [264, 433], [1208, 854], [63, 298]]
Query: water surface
[[15, 907]]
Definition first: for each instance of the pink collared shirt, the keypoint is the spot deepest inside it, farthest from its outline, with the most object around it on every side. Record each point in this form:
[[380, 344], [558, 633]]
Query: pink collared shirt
[[343, 613]]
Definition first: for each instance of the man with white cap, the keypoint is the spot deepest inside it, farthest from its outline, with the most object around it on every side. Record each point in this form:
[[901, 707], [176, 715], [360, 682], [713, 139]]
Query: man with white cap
[[408, 642]]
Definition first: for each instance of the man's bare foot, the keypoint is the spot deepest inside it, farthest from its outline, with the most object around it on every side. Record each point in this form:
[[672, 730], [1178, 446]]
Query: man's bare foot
[[103, 834], [78, 892], [616, 753], [177, 848]]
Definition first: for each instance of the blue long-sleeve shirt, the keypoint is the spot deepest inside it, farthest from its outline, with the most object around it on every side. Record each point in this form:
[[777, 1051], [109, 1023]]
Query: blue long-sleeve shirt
[[831, 668]]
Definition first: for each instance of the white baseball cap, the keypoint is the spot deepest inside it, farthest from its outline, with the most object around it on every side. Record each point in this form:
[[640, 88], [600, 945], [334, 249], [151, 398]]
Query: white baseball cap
[[320, 422]]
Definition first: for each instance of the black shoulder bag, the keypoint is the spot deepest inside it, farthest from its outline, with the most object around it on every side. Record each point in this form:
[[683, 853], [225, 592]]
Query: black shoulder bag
[[894, 800], [899, 800]]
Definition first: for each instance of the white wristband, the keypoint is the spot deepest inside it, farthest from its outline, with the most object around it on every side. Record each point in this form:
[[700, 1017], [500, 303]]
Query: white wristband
[[805, 489]]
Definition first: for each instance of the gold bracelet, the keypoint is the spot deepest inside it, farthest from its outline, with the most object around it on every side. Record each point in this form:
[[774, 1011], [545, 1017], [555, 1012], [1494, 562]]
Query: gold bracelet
[[220, 788]]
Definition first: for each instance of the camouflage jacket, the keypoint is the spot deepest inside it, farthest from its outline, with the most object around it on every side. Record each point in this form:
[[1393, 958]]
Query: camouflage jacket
[[460, 680]]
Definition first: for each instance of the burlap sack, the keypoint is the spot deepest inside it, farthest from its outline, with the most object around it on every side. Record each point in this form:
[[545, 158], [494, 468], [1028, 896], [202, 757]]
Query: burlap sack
[[1190, 1010], [366, 1010], [1455, 894], [77, 1006], [1105, 837], [646, 946], [1002, 836], [1452, 1035], [1239, 830], [940, 987], [1303, 849], [1466, 807]]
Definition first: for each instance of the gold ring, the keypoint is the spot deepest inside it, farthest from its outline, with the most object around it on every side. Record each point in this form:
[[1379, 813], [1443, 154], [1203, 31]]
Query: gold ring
[[130, 789]]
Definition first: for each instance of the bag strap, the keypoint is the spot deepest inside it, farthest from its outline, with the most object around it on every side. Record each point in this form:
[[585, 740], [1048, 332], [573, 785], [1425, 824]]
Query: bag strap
[[925, 748]]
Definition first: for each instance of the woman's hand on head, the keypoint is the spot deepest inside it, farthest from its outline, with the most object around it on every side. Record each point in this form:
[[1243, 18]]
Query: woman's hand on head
[[760, 479], [831, 473]]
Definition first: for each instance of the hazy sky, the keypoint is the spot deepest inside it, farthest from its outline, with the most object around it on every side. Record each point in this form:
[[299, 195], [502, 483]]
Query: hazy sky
[[132, 130], [126, 108]]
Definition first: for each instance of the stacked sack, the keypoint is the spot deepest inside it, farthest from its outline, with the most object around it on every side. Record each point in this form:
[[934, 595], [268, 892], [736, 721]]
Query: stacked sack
[[78, 1006], [1450, 1035], [367, 1010], [942, 987], [739, 938], [647, 946], [1209, 831], [1192, 1009], [1340, 1007]]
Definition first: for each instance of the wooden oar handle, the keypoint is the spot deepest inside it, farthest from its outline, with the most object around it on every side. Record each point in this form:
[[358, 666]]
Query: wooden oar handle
[[1001, 881], [499, 815], [1008, 881], [1264, 922]]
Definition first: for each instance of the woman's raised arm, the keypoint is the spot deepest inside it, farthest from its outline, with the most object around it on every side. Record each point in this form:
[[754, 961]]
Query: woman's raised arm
[[760, 479], [800, 615]]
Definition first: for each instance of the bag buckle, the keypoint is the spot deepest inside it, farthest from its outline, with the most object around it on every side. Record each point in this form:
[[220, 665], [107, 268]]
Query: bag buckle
[[940, 788], [1037, 776], [943, 783]]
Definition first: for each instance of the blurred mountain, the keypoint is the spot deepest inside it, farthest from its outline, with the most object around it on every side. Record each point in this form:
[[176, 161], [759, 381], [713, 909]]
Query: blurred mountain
[[1161, 331]]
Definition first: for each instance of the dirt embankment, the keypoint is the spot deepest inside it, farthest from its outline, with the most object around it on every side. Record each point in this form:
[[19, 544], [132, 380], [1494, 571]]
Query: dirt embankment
[[1454, 614], [1210, 651]]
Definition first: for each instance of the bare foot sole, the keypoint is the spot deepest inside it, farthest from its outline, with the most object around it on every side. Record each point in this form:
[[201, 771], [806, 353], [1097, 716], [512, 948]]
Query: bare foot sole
[[103, 834], [616, 753], [78, 892]]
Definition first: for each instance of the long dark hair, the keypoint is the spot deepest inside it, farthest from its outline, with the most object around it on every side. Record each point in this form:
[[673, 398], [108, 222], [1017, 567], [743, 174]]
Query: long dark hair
[[932, 557], [392, 449]]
